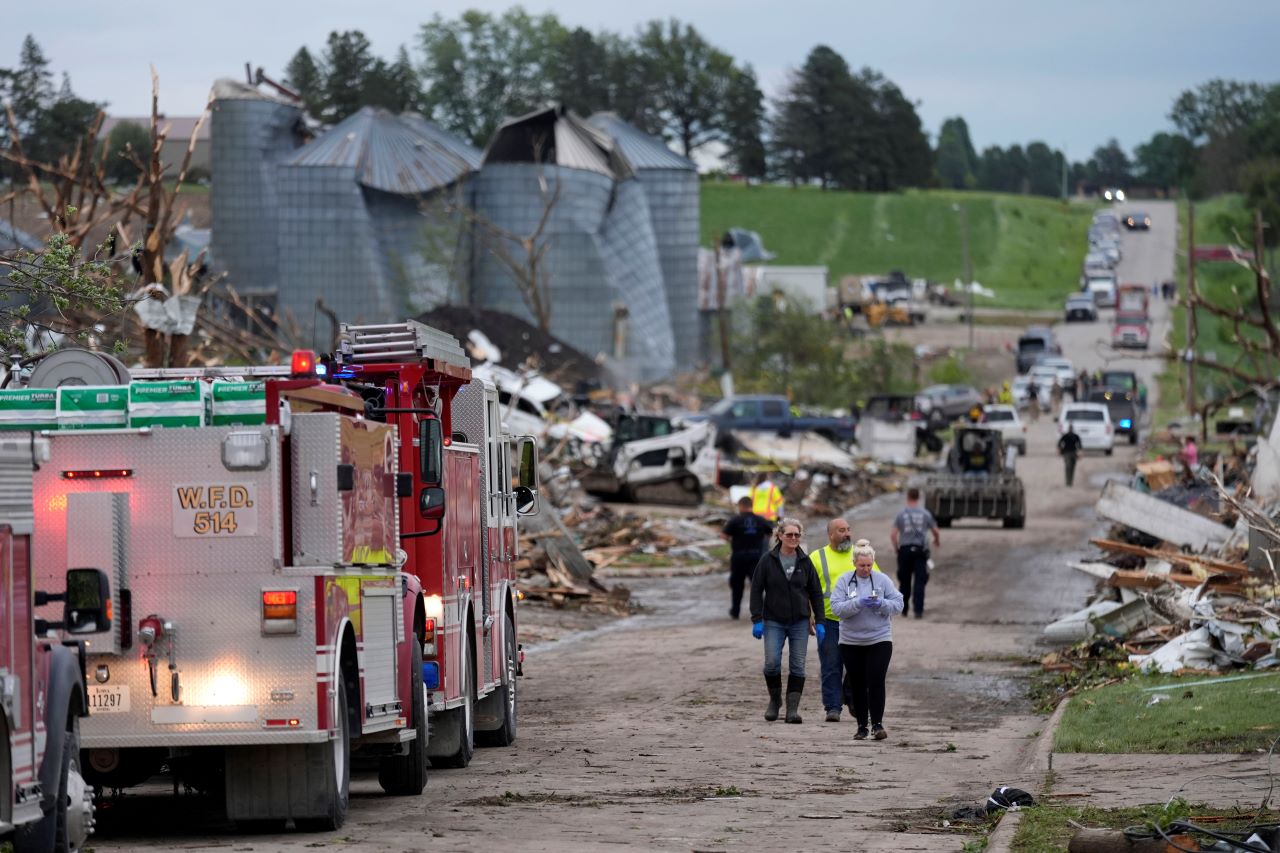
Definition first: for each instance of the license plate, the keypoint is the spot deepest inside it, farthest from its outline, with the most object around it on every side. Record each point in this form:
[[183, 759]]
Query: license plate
[[108, 699]]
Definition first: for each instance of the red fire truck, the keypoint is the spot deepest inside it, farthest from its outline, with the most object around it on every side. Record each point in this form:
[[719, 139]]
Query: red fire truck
[[45, 803], [301, 588]]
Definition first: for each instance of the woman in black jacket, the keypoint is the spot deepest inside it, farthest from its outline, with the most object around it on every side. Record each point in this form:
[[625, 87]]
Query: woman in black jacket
[[785, 598]]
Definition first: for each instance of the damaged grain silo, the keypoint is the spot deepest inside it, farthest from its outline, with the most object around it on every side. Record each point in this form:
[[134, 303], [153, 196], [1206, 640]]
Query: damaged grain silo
[[359, 226], [252, 133], [603, 280], [671, 188]]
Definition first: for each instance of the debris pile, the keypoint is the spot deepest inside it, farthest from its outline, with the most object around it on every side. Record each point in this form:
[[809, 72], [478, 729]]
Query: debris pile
[[1188, 580]]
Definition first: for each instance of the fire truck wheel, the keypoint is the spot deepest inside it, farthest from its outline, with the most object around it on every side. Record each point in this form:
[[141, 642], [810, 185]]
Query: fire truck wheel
[[65, 828], [406, 775], [335, 758], [505, 735]]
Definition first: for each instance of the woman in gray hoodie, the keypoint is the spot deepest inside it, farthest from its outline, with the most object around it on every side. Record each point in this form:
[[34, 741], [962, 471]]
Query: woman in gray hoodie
[[866, 602]]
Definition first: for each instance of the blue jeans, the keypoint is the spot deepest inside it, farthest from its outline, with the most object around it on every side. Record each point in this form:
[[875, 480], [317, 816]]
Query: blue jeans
[[796, 635], [832, 668]]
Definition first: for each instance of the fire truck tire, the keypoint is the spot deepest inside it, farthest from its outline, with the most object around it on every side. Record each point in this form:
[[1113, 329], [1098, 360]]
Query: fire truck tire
[[458, 726], [66, 827], [505, 734], [406, 775], [333, 760]]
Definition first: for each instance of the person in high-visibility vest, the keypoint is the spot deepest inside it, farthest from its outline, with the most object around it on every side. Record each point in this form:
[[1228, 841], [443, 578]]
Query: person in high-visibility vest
[[833, 560], [766, 499]]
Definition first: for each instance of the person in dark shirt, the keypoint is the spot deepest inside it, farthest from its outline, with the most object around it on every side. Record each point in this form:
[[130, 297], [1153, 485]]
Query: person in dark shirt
[[1069, 449], [748, 536]]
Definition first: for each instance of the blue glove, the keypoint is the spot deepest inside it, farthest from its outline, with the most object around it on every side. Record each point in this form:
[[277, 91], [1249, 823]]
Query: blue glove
[[757, 630], [868, 601], [821, 631]]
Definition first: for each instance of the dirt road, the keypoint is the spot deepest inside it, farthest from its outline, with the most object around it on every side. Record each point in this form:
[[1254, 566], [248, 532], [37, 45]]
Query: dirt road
[[648, 734]]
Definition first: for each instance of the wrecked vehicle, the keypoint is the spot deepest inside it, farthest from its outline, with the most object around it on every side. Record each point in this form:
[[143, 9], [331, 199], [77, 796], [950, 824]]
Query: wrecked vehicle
[[650, 459], [892, 429], [976, 483], [534, 405]]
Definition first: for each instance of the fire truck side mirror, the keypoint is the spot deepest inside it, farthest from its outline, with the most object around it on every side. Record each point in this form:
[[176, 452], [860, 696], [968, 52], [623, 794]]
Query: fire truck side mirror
[[431, 503], [526, 501], [527, 472], [431, 451], [87, 608]]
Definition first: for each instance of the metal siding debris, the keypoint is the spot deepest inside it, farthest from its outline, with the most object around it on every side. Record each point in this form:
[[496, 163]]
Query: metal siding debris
[[1160, 519]]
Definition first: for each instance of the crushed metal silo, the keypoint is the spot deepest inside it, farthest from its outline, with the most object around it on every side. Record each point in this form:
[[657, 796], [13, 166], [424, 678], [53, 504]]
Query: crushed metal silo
[[671, 189], [252, 133], [602, 280], [369, 220]]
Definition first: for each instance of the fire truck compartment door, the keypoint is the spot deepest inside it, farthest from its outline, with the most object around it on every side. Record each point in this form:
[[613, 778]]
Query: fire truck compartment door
[[380, 606], [98, 538]]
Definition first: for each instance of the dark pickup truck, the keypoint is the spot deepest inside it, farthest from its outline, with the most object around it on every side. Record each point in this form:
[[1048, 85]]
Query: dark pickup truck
[[773, 413]]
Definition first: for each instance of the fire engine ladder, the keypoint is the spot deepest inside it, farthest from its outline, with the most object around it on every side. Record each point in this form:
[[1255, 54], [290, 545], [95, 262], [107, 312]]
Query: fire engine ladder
[[244, 372], [398, 342]]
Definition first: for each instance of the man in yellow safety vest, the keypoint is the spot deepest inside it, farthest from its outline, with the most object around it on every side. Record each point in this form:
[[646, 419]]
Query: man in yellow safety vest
[[766, 499], [832, 560]]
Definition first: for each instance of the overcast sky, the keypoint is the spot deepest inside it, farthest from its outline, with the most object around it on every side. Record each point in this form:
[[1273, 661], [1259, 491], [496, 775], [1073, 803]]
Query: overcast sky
[[1071, 73]]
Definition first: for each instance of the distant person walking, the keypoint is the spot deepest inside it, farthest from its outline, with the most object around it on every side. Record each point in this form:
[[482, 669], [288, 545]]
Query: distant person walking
[[785, 597], [910, 537], [1033, 400], [748, 536], [866, 602], [1069, 448], [1055, 398], [833, 560], [1190, 453]]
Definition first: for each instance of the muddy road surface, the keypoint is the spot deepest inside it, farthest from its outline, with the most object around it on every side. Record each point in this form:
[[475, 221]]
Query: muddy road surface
[[648, 733]]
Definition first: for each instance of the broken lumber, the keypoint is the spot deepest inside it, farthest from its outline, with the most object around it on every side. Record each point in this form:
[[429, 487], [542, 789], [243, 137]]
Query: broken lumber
[[1115, 841], [1210, 564]]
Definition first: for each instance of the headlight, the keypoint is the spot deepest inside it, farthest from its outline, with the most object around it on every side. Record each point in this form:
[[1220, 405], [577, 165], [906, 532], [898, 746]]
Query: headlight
[[244, 451]]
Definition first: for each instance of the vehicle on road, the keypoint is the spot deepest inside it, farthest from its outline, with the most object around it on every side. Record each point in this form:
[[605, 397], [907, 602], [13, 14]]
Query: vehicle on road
[[45, 803], [976, 483], [1005, 418], [1092, 422], [1121, 408], [351, 522], [1081, 308], [1136, 220], [1062, 366], [1035, 341], [1130, 331], [1018, 389], [942, 404], [772, 413], [1125, 380], [1102, 288], [1045, 376], [1100, 260], [1132, 298]]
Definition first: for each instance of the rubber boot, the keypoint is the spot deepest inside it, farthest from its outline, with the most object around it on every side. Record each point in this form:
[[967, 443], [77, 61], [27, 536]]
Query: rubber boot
[[774, 683], [795, 687]]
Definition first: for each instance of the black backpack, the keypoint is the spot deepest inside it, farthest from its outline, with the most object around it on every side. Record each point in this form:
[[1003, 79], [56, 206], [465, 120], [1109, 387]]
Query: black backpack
[[1005, 797]]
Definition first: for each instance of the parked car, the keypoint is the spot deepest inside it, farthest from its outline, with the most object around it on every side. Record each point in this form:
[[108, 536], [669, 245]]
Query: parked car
[[1136, 220], [1125, 380], [945, 403], [1066, 373], [1005, 419], [1081, 308], [1122, 408], [1099, 260], [1130, 331], [1092, 423], [1035, 342]]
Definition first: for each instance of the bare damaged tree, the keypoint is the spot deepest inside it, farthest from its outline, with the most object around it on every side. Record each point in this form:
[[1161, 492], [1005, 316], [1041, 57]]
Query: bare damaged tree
[[1253, 324], [522, 255]]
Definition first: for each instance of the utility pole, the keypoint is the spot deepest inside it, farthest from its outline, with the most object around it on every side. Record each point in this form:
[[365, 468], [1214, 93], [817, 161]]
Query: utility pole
[[1190, 354], [1064, 174], [721, 304], [968, 268]]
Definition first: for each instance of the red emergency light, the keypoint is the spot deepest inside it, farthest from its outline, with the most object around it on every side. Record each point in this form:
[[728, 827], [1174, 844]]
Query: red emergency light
[[303, 363], [98, 474]]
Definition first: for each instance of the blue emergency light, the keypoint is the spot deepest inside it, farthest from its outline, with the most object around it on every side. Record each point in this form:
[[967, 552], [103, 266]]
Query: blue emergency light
[[1125, 423], [431, 675]]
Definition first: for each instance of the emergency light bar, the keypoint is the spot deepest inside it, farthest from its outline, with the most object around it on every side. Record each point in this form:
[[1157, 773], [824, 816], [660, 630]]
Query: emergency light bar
[[303, 363], [98, 474]]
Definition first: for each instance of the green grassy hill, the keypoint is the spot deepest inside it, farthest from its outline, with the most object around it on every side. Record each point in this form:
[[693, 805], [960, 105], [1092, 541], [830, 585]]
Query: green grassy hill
[[1028, 250]]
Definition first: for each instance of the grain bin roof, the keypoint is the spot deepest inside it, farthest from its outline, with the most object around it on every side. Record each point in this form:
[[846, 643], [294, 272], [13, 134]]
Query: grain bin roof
[[643, 150], [404, 155], [558, 136]]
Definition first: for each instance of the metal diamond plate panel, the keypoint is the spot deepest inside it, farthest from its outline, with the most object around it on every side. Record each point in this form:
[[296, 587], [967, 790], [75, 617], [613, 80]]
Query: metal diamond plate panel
[[317, 519]]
